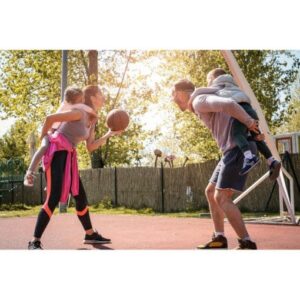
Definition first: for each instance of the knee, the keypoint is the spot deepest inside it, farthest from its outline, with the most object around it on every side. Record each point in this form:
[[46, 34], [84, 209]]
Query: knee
[[80, 206], [209, 192], [222, 198]]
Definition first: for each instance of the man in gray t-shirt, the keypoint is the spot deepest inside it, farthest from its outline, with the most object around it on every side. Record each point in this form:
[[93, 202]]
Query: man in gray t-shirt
[[217, 114]]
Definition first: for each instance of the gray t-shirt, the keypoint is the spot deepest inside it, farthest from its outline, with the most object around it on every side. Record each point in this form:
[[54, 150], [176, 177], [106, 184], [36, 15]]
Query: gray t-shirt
[[217, 114], [76, 131]]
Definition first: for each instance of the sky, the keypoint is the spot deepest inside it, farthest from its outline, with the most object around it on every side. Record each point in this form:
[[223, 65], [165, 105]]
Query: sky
[[5, 125]]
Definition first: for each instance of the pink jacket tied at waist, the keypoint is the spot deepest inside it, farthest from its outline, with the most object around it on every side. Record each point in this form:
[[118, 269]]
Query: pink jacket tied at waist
[[59, 143]]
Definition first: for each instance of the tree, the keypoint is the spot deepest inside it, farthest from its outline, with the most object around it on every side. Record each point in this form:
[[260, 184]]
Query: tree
[[271, 75], [30, 82], [292, 120], [14, 146], [268, 72], [31, 90]]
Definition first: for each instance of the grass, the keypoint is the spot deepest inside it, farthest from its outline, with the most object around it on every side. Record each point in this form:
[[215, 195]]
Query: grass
[[20, 210]]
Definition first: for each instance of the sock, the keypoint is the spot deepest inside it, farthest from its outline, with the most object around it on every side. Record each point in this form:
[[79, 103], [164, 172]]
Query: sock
[[270, 160], [219, 233], [248, 154], [247, 238]]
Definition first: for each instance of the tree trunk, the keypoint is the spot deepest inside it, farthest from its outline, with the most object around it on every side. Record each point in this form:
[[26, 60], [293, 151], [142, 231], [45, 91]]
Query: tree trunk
[[97, 160], [93, 67]]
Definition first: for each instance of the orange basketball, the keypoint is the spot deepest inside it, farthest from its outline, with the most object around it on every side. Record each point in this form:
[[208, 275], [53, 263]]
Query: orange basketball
[[117, 119]]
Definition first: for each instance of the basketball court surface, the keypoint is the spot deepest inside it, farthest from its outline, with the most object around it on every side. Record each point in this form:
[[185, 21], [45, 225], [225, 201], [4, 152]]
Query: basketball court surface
[[139, 232]]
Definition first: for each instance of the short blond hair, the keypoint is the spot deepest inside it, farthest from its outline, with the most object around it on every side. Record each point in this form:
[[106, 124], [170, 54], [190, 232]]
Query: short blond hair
[[72, 93], [216, 72]]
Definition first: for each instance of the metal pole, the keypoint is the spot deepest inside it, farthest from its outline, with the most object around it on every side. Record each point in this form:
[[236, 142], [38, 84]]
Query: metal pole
[[22, 190], [116, 187], [64, 73], [252, 187], [162, 188], [12, 192]]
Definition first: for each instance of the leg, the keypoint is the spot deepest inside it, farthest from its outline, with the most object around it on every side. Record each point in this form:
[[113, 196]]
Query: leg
[[29, 177], [263, 149], [216, 212], [39, 154], [218, 240], [239, 133], [54, 188], [233, 214], [228, 181], [91, 237], [261, 145], [82, 209]]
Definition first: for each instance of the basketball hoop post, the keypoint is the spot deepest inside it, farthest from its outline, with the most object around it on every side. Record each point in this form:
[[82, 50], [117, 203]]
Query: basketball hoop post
[[244, 85]]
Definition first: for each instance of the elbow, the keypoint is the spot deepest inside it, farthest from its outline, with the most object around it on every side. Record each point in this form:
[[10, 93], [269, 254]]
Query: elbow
[[90, 148], [232, 104], [48, 121]]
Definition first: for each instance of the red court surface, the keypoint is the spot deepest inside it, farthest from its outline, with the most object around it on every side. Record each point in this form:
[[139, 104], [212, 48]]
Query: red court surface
[[139, 232]]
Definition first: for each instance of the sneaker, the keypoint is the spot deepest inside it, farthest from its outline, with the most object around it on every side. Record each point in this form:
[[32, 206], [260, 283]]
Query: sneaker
[[95, 238], [217, 242], [29, 179], [35, 245], [249, 164], [274, 169], [246, 245]]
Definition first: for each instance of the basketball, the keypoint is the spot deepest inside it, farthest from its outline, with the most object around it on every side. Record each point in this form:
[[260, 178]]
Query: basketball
[[117, 119]]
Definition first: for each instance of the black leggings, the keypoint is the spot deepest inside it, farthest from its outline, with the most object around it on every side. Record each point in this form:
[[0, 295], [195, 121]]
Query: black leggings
[[55, 176]]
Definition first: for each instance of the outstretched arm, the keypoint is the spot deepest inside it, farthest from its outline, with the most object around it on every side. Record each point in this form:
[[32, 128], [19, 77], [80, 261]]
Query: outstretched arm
[[93, 144]]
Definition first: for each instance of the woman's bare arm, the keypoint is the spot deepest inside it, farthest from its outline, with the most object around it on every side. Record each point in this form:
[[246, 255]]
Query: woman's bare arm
[[72, 115], [92, 144]]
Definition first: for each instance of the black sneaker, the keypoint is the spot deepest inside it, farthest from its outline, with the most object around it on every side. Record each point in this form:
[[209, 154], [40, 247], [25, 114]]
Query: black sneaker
[[217, 242], [95, 238], [274, 169], [249, 164], [35, 245], [246, 245]]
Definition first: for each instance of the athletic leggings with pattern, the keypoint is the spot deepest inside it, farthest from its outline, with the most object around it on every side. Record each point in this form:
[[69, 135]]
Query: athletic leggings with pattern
[[54, 187]]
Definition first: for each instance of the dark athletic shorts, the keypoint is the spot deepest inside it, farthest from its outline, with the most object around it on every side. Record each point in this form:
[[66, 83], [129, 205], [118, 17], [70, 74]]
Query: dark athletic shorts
[[226, 174]]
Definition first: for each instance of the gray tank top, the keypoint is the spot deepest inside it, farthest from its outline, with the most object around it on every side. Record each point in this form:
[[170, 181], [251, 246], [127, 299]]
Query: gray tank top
[[76, 131]]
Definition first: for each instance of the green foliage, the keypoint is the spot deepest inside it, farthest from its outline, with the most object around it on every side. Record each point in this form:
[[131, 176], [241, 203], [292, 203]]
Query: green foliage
[[269, 73], [292, 118], [14, 146], [30, 91], [30, 82], [133, 92]]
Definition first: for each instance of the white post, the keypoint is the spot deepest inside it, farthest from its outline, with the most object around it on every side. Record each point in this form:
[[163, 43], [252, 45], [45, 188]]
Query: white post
[[244, 85], [252, 187]]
